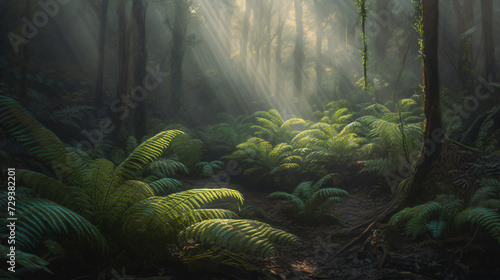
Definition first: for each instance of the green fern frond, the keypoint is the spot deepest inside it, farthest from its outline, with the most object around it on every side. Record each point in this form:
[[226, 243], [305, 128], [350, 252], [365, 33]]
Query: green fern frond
[[41, 142], [38, 218], [323, 181], [162, 214], [165, 186], [145, 153], [250, 236], [47, 187], [304, 190], [488, 219], [199, 215], [422, 215], [436, 228], [169, 167], [324, 194], [293, 201]]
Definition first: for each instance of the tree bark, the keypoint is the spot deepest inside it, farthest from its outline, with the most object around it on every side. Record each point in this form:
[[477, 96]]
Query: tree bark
[[138, 16], [433, 134], [319, 45], [279, 45], [299, 50], [465, 20], [103, 19], [487, 33], [178, 46], [122, 63], [244, 34]]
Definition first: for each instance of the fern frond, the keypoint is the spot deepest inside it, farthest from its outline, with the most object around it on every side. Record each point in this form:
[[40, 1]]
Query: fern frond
[[50, 188], [199, 215], [38, 218], [421, 216], [250, 236], [165, 186], [145, 153], [479, 216]]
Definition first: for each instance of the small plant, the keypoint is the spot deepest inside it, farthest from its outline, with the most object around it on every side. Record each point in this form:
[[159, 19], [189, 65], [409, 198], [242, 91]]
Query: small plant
[[310, 200]]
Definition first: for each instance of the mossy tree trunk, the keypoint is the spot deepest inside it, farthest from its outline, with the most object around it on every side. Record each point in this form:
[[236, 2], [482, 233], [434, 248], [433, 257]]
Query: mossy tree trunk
[[433, 135]]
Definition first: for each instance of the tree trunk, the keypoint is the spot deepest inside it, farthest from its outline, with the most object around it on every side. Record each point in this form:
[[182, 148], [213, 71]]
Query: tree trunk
[[487, 33], [244, 33], [122, 63], [319, 45], [279, 45], [103, 19], [465, 20], [433, 135], [299, 50], [138, 16], [178, 45]]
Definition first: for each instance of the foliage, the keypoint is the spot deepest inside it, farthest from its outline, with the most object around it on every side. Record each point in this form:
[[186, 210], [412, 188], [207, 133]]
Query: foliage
[[101, 204], [265, 164], [309, 199], [448, 214]]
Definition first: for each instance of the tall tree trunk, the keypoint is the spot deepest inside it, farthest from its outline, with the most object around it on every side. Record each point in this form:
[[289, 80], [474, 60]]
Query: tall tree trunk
[[103, 19], [299, 50], [433, 135], [279, 45], [465, 21], [138, 16], [269, 17], [178, 43], [244, 33], [319, 45], [122, 63], [487, 33]]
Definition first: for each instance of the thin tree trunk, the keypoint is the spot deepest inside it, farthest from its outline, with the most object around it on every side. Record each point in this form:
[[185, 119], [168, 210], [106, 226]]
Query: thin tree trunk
[[103, 17], [138, 15], [244, 33], [299, 50], [279, 43], [178, 41], [433, 132], [487, 33], [465, 20], [122, 62], [319, 45]]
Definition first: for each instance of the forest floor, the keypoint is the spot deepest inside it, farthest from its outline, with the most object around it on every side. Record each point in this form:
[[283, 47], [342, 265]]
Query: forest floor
[[371, 258]]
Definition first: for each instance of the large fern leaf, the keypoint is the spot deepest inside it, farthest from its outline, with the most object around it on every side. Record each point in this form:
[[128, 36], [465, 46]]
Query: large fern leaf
[[249, 236]]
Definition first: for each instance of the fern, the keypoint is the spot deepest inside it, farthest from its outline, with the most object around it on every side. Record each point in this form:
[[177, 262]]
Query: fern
[[145, 153], [309, 200], [40, 217], [165, 186], [483, 217], [250, 236], [167, 166]]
